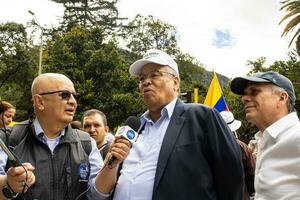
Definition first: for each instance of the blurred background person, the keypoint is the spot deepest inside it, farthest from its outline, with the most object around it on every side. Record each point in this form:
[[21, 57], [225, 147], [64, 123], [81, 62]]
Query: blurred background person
[[95, 123], [247, 157], [7, 113]]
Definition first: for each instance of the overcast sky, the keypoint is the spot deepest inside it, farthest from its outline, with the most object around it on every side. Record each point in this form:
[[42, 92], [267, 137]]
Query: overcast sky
[[221, 34]]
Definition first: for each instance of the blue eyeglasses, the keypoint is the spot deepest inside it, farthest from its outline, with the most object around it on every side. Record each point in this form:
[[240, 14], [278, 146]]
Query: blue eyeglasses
[[65, 94]]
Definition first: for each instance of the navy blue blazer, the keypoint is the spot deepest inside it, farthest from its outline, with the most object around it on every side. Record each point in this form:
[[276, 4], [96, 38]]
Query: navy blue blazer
[[199, 158]]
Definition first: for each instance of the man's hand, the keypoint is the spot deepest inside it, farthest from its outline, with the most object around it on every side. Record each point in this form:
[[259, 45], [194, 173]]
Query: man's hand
[[119, 149], [18, 179]]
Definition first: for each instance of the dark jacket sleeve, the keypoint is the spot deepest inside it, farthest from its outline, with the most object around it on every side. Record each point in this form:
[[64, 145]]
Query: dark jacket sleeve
[[225, 158], [249, 167], [4, 134]]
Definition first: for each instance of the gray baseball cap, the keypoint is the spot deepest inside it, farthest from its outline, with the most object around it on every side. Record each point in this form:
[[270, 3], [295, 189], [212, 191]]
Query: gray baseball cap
[[239, 84]]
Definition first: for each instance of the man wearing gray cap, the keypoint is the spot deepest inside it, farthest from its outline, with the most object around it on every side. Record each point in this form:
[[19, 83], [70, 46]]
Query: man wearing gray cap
[[269, 103], [185, 151]]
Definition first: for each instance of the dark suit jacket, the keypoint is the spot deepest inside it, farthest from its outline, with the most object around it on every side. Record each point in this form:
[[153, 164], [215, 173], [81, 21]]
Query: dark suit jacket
[[199, 158]]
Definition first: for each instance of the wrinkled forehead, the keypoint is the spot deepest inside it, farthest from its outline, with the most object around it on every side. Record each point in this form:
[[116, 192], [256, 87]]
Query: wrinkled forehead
[[153, 67], [95, 117]]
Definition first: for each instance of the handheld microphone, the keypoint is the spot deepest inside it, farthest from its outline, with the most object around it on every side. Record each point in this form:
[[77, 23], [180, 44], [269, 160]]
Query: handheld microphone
[[14, 160], [130, 131]]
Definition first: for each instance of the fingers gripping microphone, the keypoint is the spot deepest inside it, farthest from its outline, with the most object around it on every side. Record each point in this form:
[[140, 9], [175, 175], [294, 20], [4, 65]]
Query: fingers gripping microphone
[[129, 131]]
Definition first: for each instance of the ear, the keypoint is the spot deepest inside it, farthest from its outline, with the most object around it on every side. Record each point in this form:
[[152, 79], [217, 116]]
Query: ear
[[106, 130], [176, 83], [38, 102], [283, 98]]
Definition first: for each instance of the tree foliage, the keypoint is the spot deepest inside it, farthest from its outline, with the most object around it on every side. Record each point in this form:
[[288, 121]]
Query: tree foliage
[[86, 52], [99, 71], [90, 14], [144, 33], [292, 7], [17, 66]]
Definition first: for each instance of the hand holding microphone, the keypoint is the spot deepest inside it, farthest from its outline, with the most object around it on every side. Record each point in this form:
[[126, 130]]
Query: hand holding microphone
[[124, 138], [19, 177]]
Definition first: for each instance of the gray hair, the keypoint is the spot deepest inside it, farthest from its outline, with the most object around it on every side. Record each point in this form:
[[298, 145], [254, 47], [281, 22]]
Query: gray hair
[[290, 103]]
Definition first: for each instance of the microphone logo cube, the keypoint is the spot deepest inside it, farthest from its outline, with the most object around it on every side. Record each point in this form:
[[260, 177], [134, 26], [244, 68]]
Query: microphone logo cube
[[128, 133]]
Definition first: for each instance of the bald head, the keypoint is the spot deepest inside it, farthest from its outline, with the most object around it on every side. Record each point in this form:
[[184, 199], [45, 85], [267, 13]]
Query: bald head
[[54, 102], [43, 82]]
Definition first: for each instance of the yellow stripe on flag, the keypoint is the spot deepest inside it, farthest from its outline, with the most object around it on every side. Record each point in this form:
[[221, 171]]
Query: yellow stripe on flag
[[214, 92]]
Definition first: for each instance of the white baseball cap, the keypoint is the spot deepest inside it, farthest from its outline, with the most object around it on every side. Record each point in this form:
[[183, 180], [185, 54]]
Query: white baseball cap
[[153, 56], [231, 122]]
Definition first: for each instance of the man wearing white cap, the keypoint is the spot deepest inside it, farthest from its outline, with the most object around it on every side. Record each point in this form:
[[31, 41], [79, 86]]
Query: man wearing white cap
[[185, 151], [247, 157], [269, 102]]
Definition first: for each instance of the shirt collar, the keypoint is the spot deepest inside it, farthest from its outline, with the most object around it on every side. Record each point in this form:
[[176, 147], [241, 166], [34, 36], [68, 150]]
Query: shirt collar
[[39, 130], [282, 124], [167, 111]]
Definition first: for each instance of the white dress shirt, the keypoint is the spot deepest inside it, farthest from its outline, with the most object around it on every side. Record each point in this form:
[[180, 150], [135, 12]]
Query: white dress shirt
[[138, 172], [277, 175]]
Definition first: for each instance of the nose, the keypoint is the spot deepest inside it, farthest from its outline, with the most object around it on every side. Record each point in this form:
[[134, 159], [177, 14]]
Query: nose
[[92, 129], [145, 82], [72, 99], [245, 98]]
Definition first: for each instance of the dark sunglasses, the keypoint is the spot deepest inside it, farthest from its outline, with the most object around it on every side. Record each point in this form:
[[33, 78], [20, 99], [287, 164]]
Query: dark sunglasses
[[65, 94]]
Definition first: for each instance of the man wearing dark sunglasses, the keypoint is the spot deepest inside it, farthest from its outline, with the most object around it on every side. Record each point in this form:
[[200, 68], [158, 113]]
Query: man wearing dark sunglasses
[[56, 165]]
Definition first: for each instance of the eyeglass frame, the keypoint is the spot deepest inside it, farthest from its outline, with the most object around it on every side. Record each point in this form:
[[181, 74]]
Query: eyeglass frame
[[75, 95], [157, 73]]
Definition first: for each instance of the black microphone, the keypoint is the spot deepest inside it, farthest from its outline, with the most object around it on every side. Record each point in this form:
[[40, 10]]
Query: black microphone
[[129, 131], [14, 160], [133, 122]]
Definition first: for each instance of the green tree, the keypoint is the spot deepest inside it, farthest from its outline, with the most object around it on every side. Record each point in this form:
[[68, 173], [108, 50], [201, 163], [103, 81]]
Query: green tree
[[99, 71], [91, 13], [192, 74], [17, 67], [292, 7], [257, 65], [290, 69], [144, 33]]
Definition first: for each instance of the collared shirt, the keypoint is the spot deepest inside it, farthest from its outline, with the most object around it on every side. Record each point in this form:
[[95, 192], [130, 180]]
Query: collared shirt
[[138, 172], [95, 160], [277, 174]]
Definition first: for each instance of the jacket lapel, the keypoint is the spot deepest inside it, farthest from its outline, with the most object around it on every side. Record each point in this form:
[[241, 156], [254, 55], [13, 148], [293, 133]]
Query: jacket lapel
[[169, 141]]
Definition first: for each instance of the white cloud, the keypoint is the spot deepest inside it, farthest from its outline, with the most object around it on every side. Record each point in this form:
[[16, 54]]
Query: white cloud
[[253, 23], [47, 12]]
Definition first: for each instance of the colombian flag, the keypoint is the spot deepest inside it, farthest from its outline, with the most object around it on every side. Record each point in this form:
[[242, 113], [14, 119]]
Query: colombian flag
[[214, 97]]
